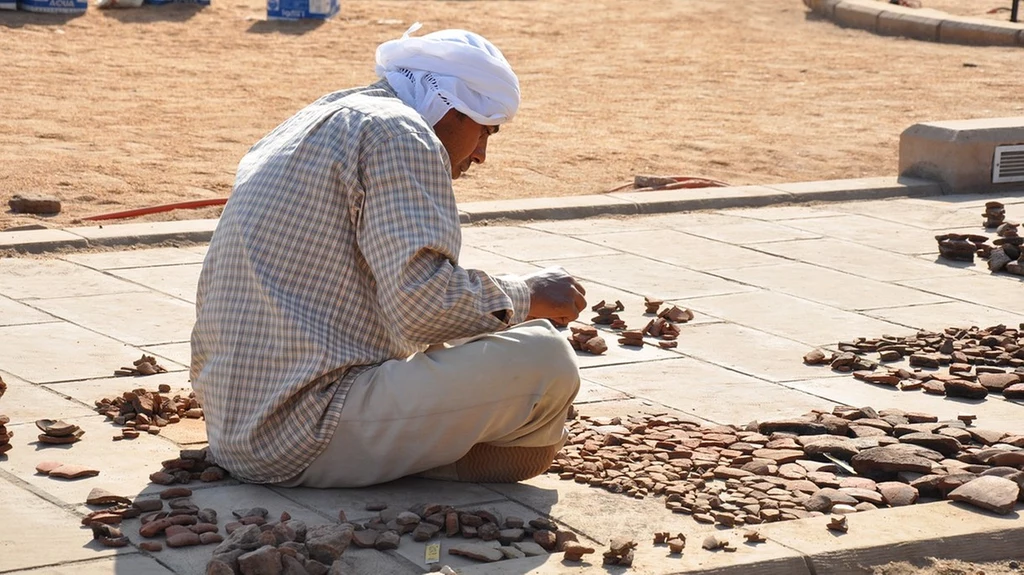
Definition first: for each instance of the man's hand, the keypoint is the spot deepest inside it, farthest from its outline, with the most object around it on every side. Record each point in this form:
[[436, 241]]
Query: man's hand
[[555, 295]]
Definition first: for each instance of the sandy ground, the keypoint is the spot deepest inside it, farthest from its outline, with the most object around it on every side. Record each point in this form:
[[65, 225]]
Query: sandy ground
[[945, 567], [132, 108]]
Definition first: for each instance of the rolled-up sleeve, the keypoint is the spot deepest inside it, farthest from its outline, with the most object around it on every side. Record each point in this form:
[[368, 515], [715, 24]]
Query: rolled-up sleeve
[[409, 236]]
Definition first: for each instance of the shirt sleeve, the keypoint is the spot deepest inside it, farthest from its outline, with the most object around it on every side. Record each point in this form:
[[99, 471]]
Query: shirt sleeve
[[409, 236]]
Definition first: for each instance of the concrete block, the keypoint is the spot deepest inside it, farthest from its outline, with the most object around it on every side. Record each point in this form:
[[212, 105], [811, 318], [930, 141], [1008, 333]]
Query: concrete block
[[858, 189], [39, 241], [916, 26], [823, 7], [959, 153], [980, 31], [861, 14], [559, 208], [147, 232], [657, 202]]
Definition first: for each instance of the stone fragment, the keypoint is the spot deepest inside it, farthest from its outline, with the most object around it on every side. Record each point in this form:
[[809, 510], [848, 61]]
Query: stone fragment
[[424, 531], [941, 443], [897, 494], [885, 461], [365, 538], [327, 542], [817, 357], [477, 551], [183, 539], [151, 546], [245, 537], [210, 538], [292, 566], [34, 204], [964, 388], [263, 561], [995, 494], [385, 541], [838, 523]]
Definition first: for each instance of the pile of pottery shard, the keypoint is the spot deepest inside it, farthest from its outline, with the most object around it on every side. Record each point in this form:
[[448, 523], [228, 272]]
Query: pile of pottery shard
[[969, 363], [850, 460], [1004, 256], [142, 411], [664, 327]]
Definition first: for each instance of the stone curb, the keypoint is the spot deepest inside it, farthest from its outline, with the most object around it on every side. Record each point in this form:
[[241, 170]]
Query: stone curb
[[918, 23], [562, 208]]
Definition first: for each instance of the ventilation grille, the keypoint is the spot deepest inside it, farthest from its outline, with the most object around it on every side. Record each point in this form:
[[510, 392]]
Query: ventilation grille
[[1008, 165]]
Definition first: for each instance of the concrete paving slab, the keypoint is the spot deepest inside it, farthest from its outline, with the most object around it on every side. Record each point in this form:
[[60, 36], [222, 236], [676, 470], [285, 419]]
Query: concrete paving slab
[[829, 287], [791, 212], [557, 208], [751, 232], [790, 317], [139, 258], [684, 250], [928, 214], [187, 433], [746, 350], [880, 234], [15, 313], [683, 221], [494, 264], [897, 534], [707, 391], [641, 275], [858, 260], [125, 564], [25, 402], [140, 319], [179, 281], [200, 249], [994, 412], [45, 533], [400, 494], [49, 352], [999, 291], [171, 354], [125, 465], [529, 245], [858, 188], [942, 315], [591, 392], [30, 279], [585, 227]]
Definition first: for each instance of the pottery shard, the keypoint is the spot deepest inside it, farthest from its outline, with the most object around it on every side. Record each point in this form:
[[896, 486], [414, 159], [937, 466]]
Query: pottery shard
[[941, 443], [815, 357], [862, 495], [424, 531], [835, 446], [997, 382], [897, 494], [245, 538], [965, 389], [545, 539], [824, 499], [387, 540], [68, 471], [365, 538], [779, 456], [100, 496], [887, 460], [797, 426], [995, 494], [47, 466], [184, 539], [292, 566], [1015, 391], [327, 542], [478, 551], [34, 204], [530, 548], [264, 561]]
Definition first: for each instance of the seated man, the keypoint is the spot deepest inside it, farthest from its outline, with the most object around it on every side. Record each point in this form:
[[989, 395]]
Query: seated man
[[335, 266]]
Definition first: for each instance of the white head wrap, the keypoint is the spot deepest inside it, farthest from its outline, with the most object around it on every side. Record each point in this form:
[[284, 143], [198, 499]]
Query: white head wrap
[[450, 69]]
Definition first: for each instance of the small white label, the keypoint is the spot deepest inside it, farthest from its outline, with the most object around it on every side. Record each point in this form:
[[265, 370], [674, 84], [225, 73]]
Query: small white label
[[432, 554]]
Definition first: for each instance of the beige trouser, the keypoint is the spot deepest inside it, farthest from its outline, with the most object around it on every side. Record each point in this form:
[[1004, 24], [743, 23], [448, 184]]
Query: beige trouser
[[509, 389]]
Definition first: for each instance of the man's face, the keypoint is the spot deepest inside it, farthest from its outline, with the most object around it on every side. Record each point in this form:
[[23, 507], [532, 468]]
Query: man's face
[[464, 139]]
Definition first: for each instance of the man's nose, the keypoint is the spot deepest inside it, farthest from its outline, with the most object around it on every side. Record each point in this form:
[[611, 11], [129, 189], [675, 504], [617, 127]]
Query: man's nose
[[480, 153]]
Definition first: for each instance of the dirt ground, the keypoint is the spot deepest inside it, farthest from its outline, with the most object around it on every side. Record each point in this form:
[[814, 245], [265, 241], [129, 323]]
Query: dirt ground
[[132, 108], [946, 567]]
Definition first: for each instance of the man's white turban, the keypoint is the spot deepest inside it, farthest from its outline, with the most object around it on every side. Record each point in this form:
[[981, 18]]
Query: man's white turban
[[450, 69]]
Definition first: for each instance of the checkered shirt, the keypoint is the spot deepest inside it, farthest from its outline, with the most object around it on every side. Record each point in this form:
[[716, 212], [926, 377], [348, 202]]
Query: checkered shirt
[[338, 250]]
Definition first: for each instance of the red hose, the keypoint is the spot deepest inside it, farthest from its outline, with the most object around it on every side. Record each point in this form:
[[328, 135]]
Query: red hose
[[192, 204]]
